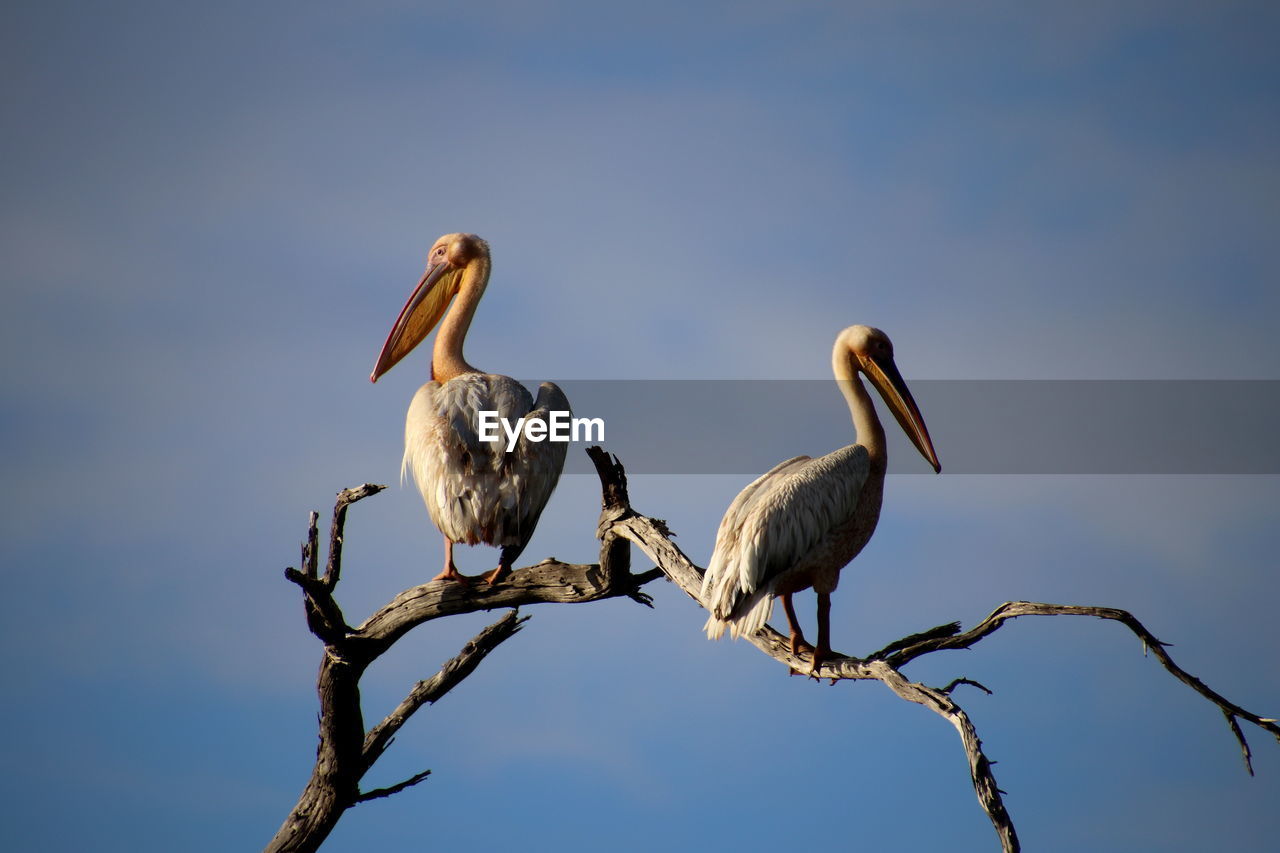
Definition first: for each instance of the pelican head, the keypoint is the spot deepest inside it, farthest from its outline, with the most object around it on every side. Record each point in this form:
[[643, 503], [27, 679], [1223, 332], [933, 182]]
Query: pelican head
[[871, 352], [450, 258]]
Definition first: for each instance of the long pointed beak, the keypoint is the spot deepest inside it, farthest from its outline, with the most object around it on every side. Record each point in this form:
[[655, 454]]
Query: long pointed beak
[[884, 374], [419, 316]]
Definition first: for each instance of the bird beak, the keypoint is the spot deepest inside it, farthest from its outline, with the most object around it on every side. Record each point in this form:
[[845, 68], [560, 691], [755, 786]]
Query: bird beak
[[419, 316], [884, 374]]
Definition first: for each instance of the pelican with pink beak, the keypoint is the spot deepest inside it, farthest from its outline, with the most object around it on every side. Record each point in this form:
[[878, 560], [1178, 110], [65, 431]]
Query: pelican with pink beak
[[476, 491], [802, 522]]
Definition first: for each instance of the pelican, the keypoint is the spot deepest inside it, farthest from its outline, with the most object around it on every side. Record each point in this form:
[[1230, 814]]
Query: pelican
[[801, 522], [474, 490]]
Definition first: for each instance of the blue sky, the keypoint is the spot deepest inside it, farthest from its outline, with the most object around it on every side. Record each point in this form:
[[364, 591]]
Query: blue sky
[[212, 214]]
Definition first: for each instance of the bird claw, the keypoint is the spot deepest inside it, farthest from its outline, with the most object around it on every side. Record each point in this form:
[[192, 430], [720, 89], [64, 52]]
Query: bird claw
[[451, 573], [820, 656], [799, 648], [496, 575]]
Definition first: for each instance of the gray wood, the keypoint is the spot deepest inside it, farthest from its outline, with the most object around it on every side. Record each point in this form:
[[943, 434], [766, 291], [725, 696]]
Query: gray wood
[[347, 750], [654, 539]]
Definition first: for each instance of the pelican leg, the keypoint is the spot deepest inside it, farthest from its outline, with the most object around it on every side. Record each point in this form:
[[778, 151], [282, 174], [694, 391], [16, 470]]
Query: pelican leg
[[823, 651], [495, 575], [508, 555], [450, 572], [798, 643]]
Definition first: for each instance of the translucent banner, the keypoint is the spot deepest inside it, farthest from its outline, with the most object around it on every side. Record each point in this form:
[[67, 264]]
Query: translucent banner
[[744, 427]]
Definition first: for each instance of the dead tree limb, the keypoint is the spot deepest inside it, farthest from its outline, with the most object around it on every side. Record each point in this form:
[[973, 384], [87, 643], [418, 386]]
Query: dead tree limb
[[346, 750], [654, 539]]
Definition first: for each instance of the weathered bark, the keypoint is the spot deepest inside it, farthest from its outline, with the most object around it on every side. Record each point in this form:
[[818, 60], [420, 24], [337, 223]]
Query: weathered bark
[[347, 750], [653, 538]]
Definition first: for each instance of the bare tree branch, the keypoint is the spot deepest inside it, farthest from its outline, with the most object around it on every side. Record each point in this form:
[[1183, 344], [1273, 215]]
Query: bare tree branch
[[311, 545], [653, 538], [550, 581], [346, 751], [376, 793], [435, 687], [324, 617], [938, 701], [956, 682], [1014, 609], [346, 497]]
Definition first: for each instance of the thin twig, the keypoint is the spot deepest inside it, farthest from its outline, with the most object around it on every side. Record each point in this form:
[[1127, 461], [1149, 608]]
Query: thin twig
[[346, 750], [1014, 609], [346, 497], [434, 688], [956, 682], [394, 789], [984, 781], [653, 538], [311, 545]]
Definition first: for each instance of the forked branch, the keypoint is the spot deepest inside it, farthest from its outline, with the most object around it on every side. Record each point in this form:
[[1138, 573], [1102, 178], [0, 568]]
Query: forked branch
[[429, 691], [347, 751], [654, 539]]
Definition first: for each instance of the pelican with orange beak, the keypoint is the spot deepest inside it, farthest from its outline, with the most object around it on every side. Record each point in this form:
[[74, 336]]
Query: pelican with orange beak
[[475, 491], [801, 522]]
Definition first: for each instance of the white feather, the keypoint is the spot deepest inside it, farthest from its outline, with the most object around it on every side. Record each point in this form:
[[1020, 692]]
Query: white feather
[[771, 527], [474, 490]]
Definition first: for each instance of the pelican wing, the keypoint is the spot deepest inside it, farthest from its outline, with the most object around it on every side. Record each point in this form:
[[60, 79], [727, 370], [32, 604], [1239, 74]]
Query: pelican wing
[[475, 490], [536, 466], [735, 518], [771, 527]]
